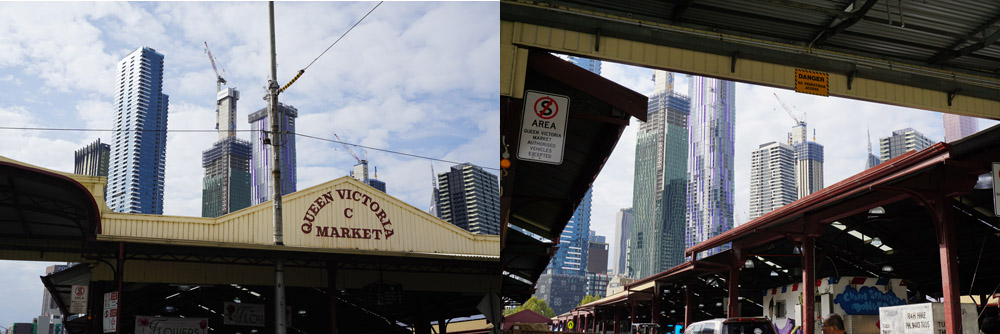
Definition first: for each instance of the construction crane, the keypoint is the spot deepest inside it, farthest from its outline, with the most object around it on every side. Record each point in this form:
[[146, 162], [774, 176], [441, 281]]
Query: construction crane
[[219, 80], [348, 149], [789, 110]]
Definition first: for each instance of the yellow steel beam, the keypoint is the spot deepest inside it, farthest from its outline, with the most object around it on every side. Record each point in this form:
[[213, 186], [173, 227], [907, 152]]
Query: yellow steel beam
[[517, 37]]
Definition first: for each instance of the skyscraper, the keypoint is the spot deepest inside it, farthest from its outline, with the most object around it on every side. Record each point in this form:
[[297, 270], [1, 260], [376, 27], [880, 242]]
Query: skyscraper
[[872, 160], [592, 65], [901, 141], [957, 127], [772, 178], [571, 255], [139, 141], [710, 160], [226, 184], [360, 173], [660, 185], [469, 197], [260, 170], [808, 161], [623, 229], [92, 159]]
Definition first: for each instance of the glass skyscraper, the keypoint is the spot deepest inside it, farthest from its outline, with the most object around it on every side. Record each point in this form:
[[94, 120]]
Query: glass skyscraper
[[139, 141], [808, 161], [957, 127], [571, 256], [710, 160], [623, 230], [658, 203], [592, 65], [226, 185], [260, 171]]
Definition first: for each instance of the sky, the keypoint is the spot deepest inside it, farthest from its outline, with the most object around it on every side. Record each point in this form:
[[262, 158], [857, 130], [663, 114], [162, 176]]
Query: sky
[[413, 77], [840, 126]]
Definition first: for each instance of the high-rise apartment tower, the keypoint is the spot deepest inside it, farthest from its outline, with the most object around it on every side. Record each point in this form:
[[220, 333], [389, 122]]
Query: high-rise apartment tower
[[139, 141], [92, 159], [260, 169], [808, 161], [957, 127], [710, 189], [660, 185], [901, 141], [469, 197], [772, 178], [623, 230]]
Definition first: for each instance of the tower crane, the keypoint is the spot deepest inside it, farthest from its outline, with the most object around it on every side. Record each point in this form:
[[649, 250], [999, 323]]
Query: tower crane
[[789, 110], [219, 80], [348, 149]]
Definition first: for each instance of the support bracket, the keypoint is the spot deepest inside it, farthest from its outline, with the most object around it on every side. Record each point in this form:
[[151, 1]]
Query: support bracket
[[732, 65], [951, 95], [850, 78], [597, 41]]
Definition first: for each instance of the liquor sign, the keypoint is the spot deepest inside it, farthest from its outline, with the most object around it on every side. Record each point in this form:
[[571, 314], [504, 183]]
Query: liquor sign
[[111, 312], [543, 127], [145, 324], [243, 314], [78, 299]]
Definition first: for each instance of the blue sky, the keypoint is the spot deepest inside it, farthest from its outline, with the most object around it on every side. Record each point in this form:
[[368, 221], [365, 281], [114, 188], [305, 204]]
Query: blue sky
[[840, 126], [415, 77]]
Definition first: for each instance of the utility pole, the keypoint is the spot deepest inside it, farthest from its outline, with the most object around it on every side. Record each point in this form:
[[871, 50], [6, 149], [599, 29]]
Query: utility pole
[[279, 265]]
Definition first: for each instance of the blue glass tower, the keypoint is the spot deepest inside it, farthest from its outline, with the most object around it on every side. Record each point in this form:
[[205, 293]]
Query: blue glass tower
[[571, 257], [139, 142], [710, 160]]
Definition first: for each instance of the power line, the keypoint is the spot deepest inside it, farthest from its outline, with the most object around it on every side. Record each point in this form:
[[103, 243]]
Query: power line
[[303, 70], [216, 131], [389, 151], [342, 36]]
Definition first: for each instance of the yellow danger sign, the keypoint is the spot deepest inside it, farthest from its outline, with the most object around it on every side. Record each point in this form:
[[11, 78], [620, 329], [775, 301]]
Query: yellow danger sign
[[812, 82]]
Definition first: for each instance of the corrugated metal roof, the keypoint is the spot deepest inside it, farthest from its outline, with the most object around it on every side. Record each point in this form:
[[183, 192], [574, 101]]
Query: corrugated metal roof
[[914, 31]]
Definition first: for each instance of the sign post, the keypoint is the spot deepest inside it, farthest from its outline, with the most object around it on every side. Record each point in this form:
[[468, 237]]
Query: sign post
[[543, 127]]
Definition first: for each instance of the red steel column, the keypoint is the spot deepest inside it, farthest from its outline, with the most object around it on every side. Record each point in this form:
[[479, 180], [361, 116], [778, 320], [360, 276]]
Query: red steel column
[[331, 291], [618, 320], [688, 312], [949, 266], [808, 285], [734, 283]]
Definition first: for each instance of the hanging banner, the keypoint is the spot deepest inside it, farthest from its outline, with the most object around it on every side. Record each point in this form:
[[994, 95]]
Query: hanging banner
[[145, 324], [243, 314]]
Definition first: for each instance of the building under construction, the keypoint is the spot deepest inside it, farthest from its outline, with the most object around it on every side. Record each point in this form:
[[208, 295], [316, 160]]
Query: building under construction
[[226, 186]]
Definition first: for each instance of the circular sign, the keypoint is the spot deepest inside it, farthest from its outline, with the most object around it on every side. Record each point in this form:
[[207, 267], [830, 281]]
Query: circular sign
[[80, 290], [570, 324], [546, 107]]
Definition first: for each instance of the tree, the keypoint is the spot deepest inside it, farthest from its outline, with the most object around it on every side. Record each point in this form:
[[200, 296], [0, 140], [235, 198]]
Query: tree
[[534, 304], [589, 298]]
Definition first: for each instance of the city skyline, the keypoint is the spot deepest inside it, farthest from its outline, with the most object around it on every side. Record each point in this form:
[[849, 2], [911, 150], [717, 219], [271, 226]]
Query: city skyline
[[759, 119], [414, 78]]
